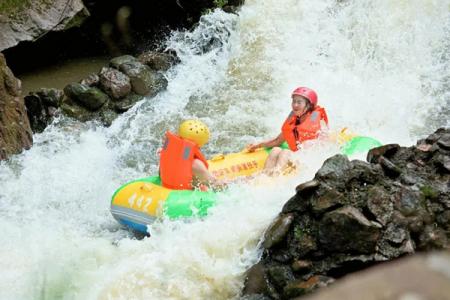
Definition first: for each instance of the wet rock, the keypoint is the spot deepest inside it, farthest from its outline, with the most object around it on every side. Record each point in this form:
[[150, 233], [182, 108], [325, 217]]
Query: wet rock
[[307, 187], [256, 281], [301, 265], [346, 229], [158, 61], [407, 201], [303, 242], [339, 264], [416, 223], [107, 116], [280, 275], [333, 168], [409, 179], [114, 83], [396, 234], [42, 107], [144, 81], [77, 112], [296, 203], [128, 102], [379, 204], [15, 130], [355, 214], [443, 163], [116, 62], [281, 255], [327, 200], [391, 250], [278, 230], [387, 151], [89, 97], [91, 80], [362, 173], [51, 97], [37, 113], [413, 277], [299, 287], [432, 238], [444, 141], [389, 167], [444, 220], [433, 138]]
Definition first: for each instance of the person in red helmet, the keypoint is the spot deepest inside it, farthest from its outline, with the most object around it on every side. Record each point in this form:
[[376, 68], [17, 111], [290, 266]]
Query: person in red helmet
[[303, 123]]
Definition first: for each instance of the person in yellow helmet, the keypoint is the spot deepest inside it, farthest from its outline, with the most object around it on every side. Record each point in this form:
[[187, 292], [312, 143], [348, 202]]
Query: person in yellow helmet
[[182, 162]]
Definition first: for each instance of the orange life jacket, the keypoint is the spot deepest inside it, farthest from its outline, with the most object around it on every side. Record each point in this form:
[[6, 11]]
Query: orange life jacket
[[175, 166], [308, 129]]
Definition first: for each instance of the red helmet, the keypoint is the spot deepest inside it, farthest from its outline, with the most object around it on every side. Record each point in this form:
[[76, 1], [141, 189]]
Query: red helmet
[[307, 93]]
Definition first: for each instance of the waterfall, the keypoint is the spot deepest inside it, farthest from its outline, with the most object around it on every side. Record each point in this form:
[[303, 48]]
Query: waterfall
[[379, 68]]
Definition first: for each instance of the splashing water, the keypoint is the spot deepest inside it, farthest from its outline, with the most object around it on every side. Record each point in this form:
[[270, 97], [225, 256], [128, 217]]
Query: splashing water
[[379, 68]]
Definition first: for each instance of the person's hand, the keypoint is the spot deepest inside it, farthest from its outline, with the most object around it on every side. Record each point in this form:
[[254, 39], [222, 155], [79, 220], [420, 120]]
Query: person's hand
[[253, 147], [158, 151]]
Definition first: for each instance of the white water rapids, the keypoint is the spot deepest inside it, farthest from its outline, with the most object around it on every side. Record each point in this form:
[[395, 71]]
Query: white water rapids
[[379, 68]]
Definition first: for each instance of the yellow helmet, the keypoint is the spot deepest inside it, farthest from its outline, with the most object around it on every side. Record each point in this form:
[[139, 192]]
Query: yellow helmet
[[195, 131]]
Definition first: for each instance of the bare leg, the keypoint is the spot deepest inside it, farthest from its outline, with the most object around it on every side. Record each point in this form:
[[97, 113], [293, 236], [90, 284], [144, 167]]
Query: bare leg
[[271, 161], [278, 160], [283, 159]]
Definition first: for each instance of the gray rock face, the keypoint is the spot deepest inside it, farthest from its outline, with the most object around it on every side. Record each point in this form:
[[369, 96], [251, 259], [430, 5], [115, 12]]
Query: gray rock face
[[39, 17], [117, 61], [144, 81], [416, 277], [347, 230], [90, 97], [15, 131], [114, 83], [354, 214], [42, 107], [158, 61]]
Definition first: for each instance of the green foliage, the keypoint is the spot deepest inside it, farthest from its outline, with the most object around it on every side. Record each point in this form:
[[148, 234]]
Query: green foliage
[[429, 192], [11, 7], [220, 3]]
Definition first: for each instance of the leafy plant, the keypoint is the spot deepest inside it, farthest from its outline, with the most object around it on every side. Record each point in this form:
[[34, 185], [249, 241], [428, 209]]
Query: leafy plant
[[220, 3]]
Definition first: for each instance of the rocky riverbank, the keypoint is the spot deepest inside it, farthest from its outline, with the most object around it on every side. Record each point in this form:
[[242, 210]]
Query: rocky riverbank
[[103, 95], [15, 131], [356, 214]]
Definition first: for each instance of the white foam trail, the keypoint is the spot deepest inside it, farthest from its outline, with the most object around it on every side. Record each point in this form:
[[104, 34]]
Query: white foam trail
[[378, 67]]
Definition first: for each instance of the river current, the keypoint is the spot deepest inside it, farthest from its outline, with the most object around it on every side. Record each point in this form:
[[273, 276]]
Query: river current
[[380, 68]]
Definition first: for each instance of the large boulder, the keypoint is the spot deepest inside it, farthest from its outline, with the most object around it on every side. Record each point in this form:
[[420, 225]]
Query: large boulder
[[417, 277], [356, 214], [114, 83], [42, 106], [144, 81], [158, 61], [91, 98], [29, 20], [15, 131]]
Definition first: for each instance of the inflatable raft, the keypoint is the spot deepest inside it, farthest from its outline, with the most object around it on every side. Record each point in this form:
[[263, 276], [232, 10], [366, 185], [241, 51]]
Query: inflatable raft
[[138, 203]]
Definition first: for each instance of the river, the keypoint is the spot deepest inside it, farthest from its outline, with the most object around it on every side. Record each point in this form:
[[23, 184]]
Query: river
[[380, 68]]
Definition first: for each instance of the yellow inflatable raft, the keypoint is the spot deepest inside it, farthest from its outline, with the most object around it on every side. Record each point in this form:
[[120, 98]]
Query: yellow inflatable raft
[[137, 203]]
